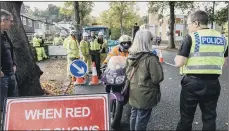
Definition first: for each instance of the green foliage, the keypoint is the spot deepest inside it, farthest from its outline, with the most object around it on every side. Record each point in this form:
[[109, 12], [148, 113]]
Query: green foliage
[[115, 33], [107, 19], [221, 16], [85, 9], [226, 29], [120, 16], [160, 7]]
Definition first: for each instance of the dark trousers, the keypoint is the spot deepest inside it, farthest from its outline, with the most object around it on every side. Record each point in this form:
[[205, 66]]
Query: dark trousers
[[139, 119], [95, 57], [8, 87], [203, 92]]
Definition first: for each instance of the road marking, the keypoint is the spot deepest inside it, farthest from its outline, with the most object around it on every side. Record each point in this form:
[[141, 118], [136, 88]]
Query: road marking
[[169, 64]]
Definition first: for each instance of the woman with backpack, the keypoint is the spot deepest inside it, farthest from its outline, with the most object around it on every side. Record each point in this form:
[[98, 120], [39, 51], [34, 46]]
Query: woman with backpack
[[144, 73]]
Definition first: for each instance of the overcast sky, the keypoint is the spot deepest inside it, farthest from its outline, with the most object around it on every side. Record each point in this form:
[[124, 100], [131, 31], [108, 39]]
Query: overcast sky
[[99, 6]]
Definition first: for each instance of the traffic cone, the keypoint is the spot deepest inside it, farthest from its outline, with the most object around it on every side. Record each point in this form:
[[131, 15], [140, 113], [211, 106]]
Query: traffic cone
[[94, 77], [80, 81], [161, 59]]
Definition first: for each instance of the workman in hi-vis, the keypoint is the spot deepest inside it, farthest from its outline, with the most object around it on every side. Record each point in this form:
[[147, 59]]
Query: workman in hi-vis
[[98, 46], [85, 50], [72, 47], [201, 58], [57, 40], [38, 48]]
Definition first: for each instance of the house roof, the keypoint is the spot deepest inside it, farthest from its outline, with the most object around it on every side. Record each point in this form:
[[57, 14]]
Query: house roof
[[32, 18]]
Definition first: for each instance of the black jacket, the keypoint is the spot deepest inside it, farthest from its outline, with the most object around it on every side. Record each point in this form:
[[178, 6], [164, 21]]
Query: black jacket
[[7, 55]]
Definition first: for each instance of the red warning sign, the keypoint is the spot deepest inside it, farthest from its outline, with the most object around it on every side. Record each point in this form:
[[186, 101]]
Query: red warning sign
[[81, 112]]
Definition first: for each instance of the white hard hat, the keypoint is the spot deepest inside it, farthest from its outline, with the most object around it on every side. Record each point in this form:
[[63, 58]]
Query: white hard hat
[[35, 34], [100, 33], [73, 32], [125, 38], [85, 34]]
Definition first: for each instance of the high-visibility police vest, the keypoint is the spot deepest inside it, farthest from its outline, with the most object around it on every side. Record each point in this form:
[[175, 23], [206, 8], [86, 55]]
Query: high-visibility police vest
[[96, 46], [206, 54]]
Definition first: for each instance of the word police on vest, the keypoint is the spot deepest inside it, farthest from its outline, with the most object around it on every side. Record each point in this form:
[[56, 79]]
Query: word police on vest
[[212, 40]]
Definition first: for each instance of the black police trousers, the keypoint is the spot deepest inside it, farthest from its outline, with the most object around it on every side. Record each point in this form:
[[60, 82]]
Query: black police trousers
[[203, 92]]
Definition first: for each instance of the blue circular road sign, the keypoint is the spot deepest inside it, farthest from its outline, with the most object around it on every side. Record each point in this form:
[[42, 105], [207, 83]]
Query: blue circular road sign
[[78, 68]]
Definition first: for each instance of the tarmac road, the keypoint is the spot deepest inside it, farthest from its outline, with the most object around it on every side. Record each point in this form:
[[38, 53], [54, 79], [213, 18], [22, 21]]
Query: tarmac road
[[165, 115]]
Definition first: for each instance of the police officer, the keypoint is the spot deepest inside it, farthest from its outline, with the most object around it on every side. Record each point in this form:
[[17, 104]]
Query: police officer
[[72, 47], [92, 37], [104, 46], [200, 58], [84, 47], [97, 47]]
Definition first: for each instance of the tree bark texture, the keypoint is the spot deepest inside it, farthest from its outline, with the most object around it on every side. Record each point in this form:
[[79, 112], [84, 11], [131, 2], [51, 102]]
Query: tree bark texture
[[28, 72], [172, 21], [77, 15], [77, 19], [213, 13]]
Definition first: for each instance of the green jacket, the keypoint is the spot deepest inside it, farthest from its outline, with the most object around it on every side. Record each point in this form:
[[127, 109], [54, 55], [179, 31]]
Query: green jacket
[[144, 86]]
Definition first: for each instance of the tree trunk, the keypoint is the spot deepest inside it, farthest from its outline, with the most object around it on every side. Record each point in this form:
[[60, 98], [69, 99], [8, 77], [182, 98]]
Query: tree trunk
[[171, 24], [121, 26], [213, 12], [185, 32], [77, 15], [77, 19], [28, 72]]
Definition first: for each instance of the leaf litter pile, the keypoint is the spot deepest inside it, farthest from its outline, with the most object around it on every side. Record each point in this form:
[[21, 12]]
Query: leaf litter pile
[[54, 80]]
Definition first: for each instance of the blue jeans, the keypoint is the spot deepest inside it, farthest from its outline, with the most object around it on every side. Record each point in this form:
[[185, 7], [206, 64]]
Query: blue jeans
[[139, 119], [8, 87]]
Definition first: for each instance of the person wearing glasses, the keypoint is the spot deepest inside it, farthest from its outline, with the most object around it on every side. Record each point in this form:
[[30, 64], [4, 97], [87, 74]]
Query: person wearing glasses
[[8, 68], [201, 58]]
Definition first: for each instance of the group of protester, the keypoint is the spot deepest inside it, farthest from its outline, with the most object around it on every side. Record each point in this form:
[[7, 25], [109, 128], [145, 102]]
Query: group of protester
[[200, 59]]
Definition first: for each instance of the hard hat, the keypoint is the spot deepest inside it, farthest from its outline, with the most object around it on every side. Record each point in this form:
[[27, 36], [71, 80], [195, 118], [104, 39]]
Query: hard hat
[[85, 34], [73, 32], [125, 42], [100, 33], [124, 38]]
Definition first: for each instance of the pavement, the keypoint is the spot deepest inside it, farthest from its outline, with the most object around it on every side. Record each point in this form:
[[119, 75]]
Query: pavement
[[165, 115]]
